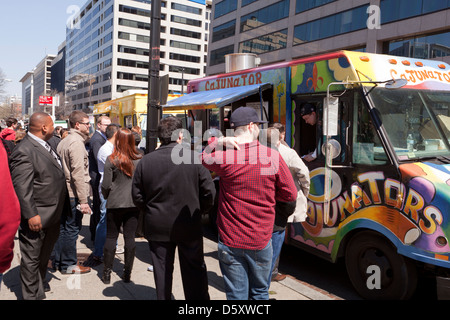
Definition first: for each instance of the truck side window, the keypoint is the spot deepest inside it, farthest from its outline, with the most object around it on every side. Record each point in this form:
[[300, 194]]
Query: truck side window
[[367, 147]]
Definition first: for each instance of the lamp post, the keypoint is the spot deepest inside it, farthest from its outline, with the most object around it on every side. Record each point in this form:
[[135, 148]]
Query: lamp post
[[153, 104]]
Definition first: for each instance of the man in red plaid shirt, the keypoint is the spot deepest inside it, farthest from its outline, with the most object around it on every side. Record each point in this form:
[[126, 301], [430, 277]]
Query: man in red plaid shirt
[[253, 178]]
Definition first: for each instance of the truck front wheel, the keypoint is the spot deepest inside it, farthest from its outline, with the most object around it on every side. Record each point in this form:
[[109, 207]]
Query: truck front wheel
[[377, 271]]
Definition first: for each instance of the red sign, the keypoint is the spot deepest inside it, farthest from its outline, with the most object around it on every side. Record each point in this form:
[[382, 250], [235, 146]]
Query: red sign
[[45, 100]]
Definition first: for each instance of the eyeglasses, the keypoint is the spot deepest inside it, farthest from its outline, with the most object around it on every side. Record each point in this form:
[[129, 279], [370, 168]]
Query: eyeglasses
[[88, 124]]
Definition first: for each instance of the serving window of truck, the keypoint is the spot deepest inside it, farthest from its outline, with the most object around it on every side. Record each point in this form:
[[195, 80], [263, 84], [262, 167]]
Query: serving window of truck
[[380, 176]]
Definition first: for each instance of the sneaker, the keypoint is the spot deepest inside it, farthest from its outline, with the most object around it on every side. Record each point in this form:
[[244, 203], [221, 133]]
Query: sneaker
[[150, 268]]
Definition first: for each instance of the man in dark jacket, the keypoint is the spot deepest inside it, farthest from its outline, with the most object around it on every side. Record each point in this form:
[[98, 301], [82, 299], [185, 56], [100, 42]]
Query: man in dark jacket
[[173, 196], [40, 185], [95, 143]]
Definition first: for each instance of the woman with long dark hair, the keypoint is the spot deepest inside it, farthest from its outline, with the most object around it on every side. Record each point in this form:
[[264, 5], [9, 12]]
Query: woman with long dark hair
[[120, 209]]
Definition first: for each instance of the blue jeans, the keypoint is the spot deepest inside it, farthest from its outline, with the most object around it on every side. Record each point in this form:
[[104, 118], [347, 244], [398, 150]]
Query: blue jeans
[[66, 246], [277, 243], [245, 272], [100, 232]]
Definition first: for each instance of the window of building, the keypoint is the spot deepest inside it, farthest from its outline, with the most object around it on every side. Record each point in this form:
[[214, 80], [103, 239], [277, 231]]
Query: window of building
[[183, 20], [185, 33], [424, 47], [266, 43], [107, 63], [218, 56], [108, 24], [108, 37], [109, 11], [134, 24], [133, 50], [132, 76], [184, 70], [185, 8], [132, 63], [136, 11], [246, 2], [185, 45], [303, 5], [223, 31], [224, 7], [265, 15], [107, 50], [184, 57], [339, 23], [393, 10], [121, 88]]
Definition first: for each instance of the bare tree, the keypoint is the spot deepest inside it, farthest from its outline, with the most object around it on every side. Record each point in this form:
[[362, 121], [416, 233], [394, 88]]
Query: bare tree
[[64, 109], [2, 82]]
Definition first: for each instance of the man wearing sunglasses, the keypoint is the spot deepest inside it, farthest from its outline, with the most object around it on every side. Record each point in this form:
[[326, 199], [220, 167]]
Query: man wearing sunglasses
[[75, 163]]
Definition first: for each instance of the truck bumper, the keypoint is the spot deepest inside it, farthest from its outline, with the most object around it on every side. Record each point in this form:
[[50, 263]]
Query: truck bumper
[[443, 288]]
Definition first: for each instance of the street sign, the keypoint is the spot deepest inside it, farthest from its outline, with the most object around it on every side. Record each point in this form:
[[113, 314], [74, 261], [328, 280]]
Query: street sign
[[45, 100]]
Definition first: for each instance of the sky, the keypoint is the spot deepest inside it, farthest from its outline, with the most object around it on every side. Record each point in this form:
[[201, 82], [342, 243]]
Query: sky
[[30, 29]]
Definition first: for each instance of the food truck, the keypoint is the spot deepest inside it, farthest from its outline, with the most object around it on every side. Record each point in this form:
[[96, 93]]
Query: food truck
[[380, 184], [129, 110]]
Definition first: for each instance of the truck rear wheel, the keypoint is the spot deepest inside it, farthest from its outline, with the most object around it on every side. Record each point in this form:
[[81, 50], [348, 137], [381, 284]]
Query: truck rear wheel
[[377, 271]]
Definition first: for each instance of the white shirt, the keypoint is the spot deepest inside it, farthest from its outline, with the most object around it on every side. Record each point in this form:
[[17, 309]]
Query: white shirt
[[46, 146], [103, 153], [41, 142]]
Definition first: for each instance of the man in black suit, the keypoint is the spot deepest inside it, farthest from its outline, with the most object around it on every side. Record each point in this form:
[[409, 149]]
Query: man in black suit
[[40, 186], [95, 143], [173, 197]]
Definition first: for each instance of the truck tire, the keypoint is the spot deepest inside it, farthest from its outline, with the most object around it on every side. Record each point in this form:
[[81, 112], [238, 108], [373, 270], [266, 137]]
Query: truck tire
[[377, 271]]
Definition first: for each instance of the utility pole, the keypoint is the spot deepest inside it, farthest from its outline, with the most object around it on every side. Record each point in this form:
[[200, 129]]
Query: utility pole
[[153, 104]]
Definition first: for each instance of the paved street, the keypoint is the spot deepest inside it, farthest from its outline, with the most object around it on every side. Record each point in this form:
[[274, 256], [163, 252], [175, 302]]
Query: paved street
[[90, 287]]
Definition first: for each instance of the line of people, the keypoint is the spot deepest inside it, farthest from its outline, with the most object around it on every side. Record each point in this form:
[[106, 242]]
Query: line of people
[[257, 197]]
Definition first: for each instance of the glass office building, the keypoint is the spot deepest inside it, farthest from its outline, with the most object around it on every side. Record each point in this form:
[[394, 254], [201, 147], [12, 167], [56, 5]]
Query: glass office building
[[279, 30], [107, 47]]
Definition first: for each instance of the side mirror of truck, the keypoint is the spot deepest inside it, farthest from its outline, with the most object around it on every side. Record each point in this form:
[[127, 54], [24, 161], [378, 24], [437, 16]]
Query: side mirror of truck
[[332, 148], [330, 116]]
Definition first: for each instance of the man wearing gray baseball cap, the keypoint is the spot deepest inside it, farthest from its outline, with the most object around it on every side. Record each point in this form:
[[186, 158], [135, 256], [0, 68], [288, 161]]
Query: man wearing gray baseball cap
[[253, 178]]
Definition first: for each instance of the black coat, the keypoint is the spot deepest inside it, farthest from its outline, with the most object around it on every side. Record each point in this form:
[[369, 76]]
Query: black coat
[[95, 143], [39, 182], [172, 196]]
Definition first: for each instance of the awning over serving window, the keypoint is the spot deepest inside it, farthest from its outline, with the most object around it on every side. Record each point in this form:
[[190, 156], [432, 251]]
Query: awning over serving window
[[214, 98]]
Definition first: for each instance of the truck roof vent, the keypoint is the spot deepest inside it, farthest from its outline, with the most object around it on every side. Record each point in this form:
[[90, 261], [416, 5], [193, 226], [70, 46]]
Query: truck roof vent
[[241, 61]]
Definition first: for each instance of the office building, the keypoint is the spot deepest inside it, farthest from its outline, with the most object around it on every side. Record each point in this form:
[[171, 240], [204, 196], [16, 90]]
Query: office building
[[288, 29], [58, 70], [37, 83], [107, 47]]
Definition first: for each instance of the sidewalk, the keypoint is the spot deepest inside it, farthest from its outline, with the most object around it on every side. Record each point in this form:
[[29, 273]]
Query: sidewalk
[[89, 286]]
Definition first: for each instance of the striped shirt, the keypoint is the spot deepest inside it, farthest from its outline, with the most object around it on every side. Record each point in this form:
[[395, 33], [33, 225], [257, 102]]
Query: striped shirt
[[252, 179]]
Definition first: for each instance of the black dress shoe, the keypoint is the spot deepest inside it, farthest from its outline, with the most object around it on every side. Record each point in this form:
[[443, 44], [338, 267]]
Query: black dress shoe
[[46, 287]]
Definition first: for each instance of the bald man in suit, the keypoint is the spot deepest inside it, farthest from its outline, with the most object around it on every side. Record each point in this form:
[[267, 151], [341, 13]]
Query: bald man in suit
[[40, 185]]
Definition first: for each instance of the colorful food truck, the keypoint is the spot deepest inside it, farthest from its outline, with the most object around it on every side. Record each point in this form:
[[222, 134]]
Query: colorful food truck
[[380, 184]]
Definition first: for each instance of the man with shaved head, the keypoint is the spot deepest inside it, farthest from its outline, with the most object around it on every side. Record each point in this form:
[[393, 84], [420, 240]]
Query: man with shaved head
[[40, 185]]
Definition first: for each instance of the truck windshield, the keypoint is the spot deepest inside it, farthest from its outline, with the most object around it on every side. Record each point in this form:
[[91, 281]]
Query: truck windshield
[[417, 122]]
